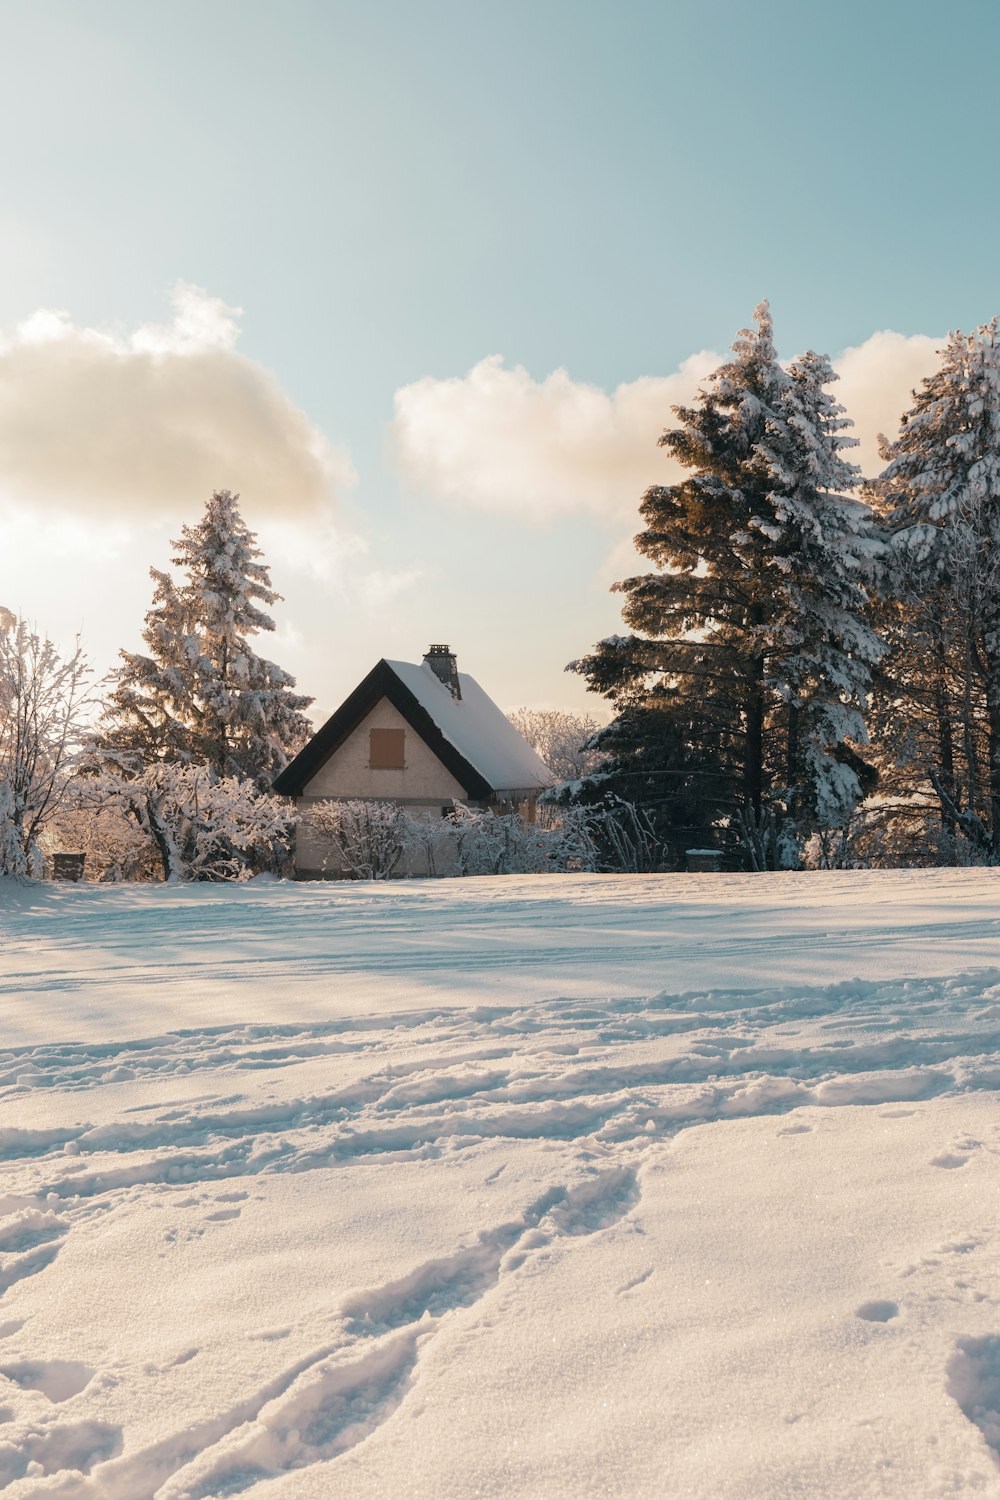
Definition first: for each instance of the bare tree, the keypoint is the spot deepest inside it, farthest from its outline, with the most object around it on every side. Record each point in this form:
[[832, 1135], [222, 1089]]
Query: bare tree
[[560, 738], [44, 703]]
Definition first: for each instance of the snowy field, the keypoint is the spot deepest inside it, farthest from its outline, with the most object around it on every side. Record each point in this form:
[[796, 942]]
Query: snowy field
[[539, 1187]]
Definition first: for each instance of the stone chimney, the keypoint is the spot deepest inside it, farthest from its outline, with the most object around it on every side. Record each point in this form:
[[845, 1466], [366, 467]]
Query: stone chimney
[[444, 664]]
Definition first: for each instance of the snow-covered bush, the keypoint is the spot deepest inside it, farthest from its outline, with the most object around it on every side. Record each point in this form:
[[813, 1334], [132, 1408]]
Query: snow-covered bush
[[625, 839], [486, 843], [377, 840], [115, 846], [886, 833], [489, 844], [368, 838], [203, 827], [602, 831]]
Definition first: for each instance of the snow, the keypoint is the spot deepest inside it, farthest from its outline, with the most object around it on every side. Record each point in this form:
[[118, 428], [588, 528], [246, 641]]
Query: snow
[[477, 728], [523, 1187]]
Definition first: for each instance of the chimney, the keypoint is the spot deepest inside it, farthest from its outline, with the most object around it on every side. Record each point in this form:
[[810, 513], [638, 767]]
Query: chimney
[[444, 664]]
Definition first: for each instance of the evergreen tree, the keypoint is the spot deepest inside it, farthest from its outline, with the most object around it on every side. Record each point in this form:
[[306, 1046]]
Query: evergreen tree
[[202, 695], [748, 658], [822, 646], [940, 496]]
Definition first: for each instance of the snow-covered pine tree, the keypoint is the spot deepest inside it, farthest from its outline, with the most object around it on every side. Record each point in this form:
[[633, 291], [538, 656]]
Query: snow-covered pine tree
[[940, 496], [692, 673], [202, 695], [753, 609], [822, 644]]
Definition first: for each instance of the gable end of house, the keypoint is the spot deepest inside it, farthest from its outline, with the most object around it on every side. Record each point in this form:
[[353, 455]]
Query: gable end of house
[[381, 682]]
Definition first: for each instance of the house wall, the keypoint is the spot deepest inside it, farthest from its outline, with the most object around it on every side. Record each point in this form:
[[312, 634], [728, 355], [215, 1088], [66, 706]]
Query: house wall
[[318, 857], [423, 786], [348, 774]]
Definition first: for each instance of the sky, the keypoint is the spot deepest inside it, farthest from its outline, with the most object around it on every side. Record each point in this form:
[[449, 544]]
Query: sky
[[422, 283]]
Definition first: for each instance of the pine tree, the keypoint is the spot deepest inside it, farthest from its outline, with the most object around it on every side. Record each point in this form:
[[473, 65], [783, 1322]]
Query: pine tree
[[940, 496], [748, 649], [202, 695], [823, 646]]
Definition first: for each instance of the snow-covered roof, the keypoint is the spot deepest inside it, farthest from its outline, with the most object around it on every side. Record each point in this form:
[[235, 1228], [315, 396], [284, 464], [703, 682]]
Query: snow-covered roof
[[475, 741], [477, 728]]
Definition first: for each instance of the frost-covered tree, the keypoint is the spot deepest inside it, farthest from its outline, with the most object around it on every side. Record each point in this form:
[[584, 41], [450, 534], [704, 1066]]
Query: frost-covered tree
[[44, 704], [741, 686], [93, 821], [13, 860], [203, 826], [560, 738], [822, 646], [940, 496], [201, 695]]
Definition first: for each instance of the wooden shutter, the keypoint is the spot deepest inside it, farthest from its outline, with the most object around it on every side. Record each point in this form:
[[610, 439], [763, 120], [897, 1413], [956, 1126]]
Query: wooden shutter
[[385, 751]]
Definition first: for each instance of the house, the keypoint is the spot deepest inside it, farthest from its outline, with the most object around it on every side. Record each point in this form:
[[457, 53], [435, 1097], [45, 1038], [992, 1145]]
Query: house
[[423, 736]]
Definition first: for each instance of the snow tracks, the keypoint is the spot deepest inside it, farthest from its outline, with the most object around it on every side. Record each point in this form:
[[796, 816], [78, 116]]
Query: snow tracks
[[192, 1125]]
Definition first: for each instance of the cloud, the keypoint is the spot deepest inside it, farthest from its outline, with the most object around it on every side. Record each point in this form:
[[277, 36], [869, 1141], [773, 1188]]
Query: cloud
[[499, 441], [877, 379], [148, 423], [330, 554]]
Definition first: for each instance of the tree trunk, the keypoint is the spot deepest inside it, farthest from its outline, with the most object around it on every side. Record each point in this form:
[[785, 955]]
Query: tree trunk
[[993, 713], [792, 762], [969, 734], [946, 754], [945, 737], [753, 765], [159, 837]]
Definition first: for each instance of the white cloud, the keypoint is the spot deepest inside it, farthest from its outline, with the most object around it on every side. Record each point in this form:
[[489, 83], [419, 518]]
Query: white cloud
[[330, 554], [876, 382], [499, 441], [147, 424]]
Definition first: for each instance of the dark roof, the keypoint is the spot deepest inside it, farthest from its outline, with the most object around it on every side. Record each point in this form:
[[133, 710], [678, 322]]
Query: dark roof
[[381, 682]]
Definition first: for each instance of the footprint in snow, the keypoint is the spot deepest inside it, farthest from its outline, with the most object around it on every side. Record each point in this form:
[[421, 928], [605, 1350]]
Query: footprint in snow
[[57, 1379], [877, 1311], [36, 1452], [973, 1382], [796, 1130], [959, 1154], [639, 1280]]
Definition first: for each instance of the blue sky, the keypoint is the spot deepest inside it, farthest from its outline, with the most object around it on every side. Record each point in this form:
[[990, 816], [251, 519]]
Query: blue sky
[[394, 192]]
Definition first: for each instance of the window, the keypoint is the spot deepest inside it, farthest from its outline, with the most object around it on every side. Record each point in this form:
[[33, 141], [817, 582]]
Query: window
[[385, 752]]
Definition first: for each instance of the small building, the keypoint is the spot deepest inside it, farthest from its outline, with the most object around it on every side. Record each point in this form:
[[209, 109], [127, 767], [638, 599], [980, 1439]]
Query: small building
[[421, 735]]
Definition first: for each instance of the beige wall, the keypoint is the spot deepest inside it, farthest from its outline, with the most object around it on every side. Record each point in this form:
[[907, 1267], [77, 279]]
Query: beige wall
[[348, 774], [316, 854], [424, 786]]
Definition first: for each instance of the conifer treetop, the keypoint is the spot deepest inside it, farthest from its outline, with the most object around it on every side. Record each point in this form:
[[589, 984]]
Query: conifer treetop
[[202, 694]]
